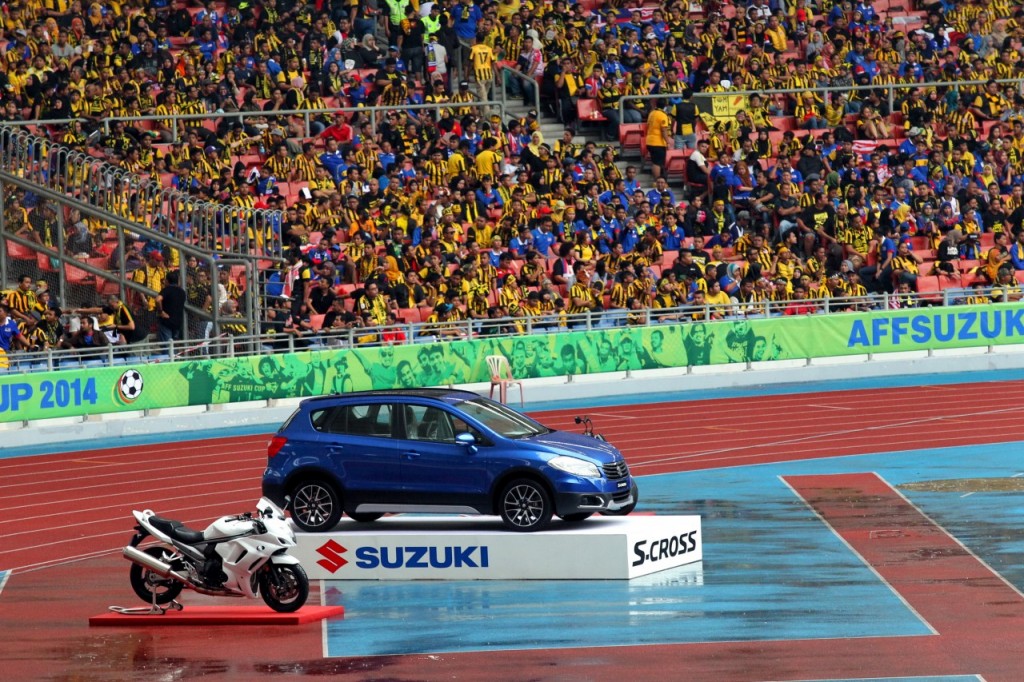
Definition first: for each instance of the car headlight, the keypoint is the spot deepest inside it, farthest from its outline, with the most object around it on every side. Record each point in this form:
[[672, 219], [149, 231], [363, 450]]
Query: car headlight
[[575, 466]]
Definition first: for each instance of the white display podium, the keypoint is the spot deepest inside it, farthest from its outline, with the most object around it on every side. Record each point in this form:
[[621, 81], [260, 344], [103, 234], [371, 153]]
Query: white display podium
[[478, 548]]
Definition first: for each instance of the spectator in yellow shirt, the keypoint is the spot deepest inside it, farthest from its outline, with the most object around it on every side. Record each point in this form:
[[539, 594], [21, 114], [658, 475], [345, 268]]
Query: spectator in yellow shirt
[[659, 132]]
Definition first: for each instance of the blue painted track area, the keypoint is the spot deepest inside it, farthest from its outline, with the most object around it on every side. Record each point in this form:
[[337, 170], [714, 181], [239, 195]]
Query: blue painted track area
[[772, 570]]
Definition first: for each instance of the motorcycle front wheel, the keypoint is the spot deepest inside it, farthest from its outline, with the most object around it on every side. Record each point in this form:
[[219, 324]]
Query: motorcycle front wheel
[[147, 584], [284, 587]]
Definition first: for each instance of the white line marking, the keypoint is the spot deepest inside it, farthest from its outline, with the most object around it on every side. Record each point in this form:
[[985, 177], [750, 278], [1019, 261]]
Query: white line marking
[[966, 495], [858, 554], [610, 416], [119, 518], [125, 532], [833, 407], [323, 623]]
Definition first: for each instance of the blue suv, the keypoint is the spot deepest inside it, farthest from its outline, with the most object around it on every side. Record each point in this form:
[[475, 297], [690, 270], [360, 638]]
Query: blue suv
[[438, 451]]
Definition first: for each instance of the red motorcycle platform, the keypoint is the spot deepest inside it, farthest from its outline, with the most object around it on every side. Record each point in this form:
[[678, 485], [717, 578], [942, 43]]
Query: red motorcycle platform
[[220, 615]]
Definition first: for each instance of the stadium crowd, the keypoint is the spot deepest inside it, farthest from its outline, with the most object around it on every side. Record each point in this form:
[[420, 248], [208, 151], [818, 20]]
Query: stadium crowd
[[416, 215]]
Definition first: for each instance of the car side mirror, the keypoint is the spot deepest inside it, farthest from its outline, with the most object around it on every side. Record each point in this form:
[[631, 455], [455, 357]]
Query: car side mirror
[[466, 439]]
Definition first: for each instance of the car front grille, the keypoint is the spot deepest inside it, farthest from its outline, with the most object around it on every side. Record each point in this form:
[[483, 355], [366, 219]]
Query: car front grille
[[616, 470], [621, 497]]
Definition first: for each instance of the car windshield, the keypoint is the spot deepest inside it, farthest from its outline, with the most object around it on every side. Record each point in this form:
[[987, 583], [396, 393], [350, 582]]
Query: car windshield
[[501, 420]]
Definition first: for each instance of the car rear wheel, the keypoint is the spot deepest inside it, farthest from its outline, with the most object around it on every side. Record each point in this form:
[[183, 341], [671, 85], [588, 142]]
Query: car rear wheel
[[316, 506], [525, 506]]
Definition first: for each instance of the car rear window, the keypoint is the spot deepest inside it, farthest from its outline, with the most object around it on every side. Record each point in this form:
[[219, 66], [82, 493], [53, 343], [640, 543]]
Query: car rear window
[[354, 420]]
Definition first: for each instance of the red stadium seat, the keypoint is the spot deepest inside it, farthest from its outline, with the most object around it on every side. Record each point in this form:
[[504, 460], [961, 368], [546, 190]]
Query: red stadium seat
[[631, 136], [43, 262], [957, 281], [921, 245], [317, 321], [20, 252], [75, 275], [927, 283], [409, 315], [589, 110], [675, 164]]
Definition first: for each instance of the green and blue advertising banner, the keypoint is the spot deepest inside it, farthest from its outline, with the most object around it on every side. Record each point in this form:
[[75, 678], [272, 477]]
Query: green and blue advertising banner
[[287, 375]]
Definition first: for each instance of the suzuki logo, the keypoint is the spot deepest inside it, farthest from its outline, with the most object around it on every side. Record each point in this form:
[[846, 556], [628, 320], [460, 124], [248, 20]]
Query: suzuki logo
[[332, 560]]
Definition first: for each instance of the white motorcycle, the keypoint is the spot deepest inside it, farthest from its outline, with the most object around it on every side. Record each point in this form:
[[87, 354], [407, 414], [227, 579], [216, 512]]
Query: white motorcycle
[[236, 556]]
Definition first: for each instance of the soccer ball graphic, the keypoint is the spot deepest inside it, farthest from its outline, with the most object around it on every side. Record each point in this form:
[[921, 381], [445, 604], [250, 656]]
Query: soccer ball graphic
[[129, 386]]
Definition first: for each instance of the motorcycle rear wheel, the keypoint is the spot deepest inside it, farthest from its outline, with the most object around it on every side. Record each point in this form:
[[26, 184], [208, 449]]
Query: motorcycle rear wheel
[[146, 583], [284, 587]]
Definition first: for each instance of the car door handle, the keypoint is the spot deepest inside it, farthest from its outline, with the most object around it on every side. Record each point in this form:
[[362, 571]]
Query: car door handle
[[410, 454], [335, 450]]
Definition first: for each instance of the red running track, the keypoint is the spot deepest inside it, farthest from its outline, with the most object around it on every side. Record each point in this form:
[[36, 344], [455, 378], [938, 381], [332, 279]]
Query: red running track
[[83, 501], [66, 512]]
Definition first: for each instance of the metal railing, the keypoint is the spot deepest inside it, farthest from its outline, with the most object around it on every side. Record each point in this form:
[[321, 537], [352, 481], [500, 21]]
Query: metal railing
[[889, 88], [246, 117], [79, 279], [219, 345], [518, 75], [222, 228]]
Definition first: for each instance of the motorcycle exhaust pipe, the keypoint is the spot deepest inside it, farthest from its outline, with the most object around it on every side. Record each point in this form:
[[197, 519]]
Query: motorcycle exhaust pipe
[[161, 568], [164, 570]]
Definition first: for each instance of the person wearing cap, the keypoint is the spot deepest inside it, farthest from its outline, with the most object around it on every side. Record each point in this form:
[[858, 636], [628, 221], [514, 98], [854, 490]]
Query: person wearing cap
[[464, 97]]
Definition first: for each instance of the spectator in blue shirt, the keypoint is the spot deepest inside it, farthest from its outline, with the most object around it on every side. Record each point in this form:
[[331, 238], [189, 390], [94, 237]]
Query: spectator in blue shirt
[[10, 337], [632, 184], [660, 187], [467, 16], [617, 192], [672, 234], [522, 242], [629, 237], [543, 238], [1017, 252]]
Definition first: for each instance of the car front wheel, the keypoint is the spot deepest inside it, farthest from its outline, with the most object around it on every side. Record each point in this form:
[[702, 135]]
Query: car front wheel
[[525, 506], [316, 506]]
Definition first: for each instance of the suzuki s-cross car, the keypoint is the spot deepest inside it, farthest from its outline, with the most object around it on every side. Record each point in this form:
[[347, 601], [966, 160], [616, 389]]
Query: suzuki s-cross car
[[438, 451]]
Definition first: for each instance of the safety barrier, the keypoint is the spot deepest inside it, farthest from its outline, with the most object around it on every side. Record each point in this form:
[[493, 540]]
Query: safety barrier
[[200, 380], [78, 279], [141, 199], [889, 88]]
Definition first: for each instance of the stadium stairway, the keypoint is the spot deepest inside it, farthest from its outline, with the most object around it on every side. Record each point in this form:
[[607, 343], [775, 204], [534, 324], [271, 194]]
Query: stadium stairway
[[587, 131]]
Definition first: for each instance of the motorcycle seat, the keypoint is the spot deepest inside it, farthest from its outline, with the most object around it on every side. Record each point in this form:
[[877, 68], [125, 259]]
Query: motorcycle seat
[[177, 530]]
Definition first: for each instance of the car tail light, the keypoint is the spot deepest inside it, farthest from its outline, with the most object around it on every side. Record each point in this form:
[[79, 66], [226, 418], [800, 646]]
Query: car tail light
[[275, 445]]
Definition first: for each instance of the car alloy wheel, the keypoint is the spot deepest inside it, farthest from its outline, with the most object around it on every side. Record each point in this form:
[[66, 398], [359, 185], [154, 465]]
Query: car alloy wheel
[[525, 506], [315, 507]]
